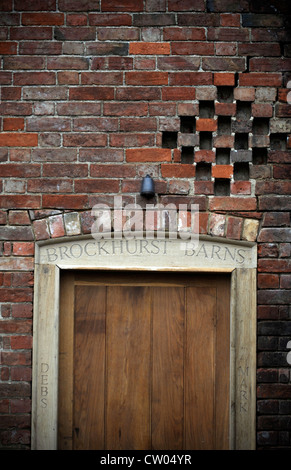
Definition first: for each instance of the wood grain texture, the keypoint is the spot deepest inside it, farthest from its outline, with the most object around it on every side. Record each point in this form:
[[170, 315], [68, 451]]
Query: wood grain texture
[[89, 363], [151, 362], [168, 367], [128, 368]]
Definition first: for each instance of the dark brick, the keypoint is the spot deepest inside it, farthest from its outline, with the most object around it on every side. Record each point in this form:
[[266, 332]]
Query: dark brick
[[227, 5]]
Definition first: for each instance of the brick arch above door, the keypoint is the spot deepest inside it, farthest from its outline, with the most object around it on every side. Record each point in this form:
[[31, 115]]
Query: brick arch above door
[[52, 224]]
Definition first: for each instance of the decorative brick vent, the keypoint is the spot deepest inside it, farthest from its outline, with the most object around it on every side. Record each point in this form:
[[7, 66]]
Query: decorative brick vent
[[225, 138]]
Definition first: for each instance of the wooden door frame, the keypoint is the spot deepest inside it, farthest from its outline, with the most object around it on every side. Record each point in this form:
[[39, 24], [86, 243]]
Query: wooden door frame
[[242, 424]]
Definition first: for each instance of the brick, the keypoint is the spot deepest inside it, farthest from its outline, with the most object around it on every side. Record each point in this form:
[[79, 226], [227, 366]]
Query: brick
[[101, 155], [54, 155], [223, 141], [240, 156], [23, 249], [276, 219], [138, 124], [178, 63], [230, 19], [206, 93], [49, 185], [36, 19], [225, 109], [255, 49], [95, 124], [250, 230], [126, 5], [77, 201], [56, 226], [187, 109], [101, 78], [115, 171], [20, 202], [68, 78], [31, 33], [240, 187], [67, 63], [260, 79], [15, 295], [225, 48], [282, 172], [275, 187], [150, 48], [146, 78], [78, 109], [278, 296], [234, 228], [275, 235], [184, 34], [270, 65], [15, 233], [204, 187], [279, 156], [62, 170], [125, 109], [190, 78], [244, 93], [91, 93], [222, 171], [177, 171], [285, 281], [207, 156], [40, 48], [84, 140], [208, 125], [104, 19], [192, 48], [8, 48], [18, 139], [48, 124], [27, 5], [186, 5], [178, 93], [154, 19], [107, 48], [13, 124], [219, 63], [131, 140], [138, 93], [274, 265], [75, 5], [268, 281], [233, 203], [41, 229], [188, 140], [262, 110], [148, 155], [224, 79]]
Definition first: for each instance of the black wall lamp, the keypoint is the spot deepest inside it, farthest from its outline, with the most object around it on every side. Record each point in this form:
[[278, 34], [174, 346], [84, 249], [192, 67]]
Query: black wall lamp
[[147, 187]]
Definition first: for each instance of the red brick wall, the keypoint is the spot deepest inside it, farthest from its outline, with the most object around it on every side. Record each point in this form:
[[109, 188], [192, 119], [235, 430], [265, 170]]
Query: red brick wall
[[96, 94]]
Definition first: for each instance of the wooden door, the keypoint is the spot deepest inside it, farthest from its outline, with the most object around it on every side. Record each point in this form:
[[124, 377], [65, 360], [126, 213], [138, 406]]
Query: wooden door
[[144, 361]]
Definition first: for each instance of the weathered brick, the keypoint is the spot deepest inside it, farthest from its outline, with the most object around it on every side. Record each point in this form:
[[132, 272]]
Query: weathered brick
[[148, 155], [150, 48], [11, 139], [127, 5]]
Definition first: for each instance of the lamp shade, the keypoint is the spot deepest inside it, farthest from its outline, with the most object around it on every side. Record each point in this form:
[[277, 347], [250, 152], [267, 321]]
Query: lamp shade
[[147, 187]]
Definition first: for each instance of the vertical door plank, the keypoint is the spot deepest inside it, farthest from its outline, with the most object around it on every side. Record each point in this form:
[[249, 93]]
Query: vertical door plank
[[66, 363], [89, 358], [128, 368], [222, 372], [199, 369], [168, 366]]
